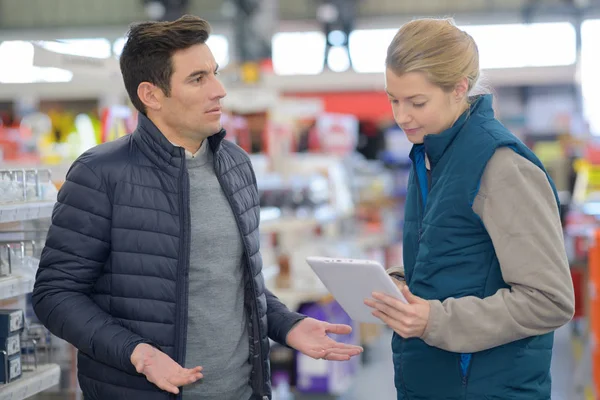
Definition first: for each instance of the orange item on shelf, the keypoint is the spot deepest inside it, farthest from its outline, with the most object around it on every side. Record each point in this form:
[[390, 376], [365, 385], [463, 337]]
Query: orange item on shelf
[[592, 153], [579, 279], [9, 149], [284, 279], [594, 306]]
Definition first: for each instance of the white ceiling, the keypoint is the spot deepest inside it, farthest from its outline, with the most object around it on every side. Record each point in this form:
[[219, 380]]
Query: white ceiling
[[56, 14]]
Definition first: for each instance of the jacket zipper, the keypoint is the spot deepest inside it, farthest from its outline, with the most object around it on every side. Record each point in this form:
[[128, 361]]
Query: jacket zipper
[[255, 327], [184, 251]]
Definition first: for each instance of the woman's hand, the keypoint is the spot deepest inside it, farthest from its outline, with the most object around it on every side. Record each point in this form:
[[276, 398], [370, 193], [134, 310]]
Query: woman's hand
[[400, 283], [407, 320]]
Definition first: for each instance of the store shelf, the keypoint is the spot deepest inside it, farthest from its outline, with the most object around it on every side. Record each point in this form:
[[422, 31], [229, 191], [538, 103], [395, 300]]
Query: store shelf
[[354, 81], [31, 383], [366, 241], [293, 297], [25, 211], [271, 221], [13, 286]]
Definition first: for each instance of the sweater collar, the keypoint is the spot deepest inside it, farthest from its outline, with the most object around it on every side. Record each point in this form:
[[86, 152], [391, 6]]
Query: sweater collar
[[161, 149]]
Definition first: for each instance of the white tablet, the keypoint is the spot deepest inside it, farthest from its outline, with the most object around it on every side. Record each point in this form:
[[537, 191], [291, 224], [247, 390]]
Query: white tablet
[[352, 281]]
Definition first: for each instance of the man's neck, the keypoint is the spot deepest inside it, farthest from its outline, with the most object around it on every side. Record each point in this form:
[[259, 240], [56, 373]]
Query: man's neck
[[190, 145]]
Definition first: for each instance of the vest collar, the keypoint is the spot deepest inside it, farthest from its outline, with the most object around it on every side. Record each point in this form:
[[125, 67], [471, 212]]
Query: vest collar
[[436, 145]]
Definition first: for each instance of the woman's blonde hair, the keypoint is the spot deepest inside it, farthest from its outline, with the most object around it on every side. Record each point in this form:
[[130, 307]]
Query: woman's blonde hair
[[438, 48]]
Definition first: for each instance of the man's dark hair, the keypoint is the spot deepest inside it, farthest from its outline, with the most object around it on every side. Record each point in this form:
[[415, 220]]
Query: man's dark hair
[[146, 56]]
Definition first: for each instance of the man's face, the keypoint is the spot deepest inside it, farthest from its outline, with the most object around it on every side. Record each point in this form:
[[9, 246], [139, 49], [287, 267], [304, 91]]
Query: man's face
[[193, 109]]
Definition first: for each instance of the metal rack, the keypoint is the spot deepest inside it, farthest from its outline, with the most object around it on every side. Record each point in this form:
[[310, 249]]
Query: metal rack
[[24, 195]]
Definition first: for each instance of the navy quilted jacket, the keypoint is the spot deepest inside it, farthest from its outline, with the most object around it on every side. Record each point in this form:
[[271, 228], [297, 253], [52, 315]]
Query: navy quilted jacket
[[114, 270]]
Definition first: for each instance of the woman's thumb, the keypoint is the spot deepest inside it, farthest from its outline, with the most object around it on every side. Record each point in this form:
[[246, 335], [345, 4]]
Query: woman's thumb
[[411, 298]]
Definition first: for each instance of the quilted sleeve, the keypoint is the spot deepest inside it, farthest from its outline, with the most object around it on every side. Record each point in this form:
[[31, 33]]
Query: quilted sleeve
[[77, 246], [280, 319]]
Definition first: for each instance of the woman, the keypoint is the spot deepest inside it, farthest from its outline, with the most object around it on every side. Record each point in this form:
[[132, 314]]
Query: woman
[[487, 277]]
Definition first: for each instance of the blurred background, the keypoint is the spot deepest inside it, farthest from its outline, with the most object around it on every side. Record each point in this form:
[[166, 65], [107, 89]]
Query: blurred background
[[305, 98]]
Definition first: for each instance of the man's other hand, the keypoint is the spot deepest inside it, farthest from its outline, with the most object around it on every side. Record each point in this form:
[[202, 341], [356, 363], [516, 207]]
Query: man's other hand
[[161, 370]]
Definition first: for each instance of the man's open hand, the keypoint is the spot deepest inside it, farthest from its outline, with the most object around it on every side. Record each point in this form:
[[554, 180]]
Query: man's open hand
[[161, 370], [310, 337]]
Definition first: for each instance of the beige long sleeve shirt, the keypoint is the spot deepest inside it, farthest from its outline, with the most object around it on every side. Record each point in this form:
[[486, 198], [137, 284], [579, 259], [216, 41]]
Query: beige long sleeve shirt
[[517, 206]]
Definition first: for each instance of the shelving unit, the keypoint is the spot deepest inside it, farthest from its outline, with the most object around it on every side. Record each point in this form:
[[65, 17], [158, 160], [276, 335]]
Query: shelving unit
[[25, 211], [272, 221], [14, 286], [44, 376], [31, 383]]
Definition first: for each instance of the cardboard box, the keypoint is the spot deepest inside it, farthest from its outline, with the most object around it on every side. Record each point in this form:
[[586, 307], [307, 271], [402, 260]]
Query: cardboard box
[[11, 366], [11, 322], [11, 345]]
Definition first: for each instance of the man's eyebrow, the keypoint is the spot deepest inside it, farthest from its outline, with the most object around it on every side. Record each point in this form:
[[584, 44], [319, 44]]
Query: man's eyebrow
[[202, 72]]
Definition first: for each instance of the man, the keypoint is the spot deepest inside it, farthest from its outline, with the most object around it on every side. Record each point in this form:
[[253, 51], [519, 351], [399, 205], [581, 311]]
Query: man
[[152, 266]]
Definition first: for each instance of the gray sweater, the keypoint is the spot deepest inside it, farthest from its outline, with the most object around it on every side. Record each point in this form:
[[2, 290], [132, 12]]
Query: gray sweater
[[217, 337]]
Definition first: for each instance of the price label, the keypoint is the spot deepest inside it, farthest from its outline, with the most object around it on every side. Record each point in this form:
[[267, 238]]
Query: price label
[[338, 133]]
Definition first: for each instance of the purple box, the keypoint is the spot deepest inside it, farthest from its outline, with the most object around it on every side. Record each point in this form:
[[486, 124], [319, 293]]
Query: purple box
[[322, 376]]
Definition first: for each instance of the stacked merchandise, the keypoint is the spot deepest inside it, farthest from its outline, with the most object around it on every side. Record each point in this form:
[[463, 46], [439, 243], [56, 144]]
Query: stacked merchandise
[[27, 198], [11, 326]]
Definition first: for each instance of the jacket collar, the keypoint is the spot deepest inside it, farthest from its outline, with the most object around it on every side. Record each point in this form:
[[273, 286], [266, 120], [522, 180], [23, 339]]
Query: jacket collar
[[435, 145], [163, 151]]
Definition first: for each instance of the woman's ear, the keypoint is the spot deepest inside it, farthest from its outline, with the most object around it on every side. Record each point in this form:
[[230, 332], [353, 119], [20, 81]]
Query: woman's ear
[[461, 90]]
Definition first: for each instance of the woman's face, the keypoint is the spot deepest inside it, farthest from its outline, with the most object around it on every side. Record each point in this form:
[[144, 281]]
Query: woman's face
[[422, 108]]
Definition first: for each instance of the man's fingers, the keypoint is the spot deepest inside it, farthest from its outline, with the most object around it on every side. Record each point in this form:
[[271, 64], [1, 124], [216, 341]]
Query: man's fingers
[[333, 345], [338, 345], [168, 386], [139, 366], [316, 354], [193, 376], [339, 329], [191, 371], [184, 379], [350, 350], [337, 357]]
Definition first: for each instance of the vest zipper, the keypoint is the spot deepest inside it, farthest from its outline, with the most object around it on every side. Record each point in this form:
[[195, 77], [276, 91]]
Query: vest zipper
[[465, 378], [255, 328], [183, 269], [402, 369], [421, 205]]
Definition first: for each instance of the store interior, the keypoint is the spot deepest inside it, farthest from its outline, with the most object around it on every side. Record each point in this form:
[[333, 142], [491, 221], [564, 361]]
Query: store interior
[[306, 100]]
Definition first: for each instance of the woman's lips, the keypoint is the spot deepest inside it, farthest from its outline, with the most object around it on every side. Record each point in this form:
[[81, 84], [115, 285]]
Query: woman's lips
[[411, 131]]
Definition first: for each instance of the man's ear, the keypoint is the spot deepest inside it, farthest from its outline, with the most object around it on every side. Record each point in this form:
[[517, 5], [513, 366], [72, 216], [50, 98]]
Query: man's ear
[[150, 95]]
